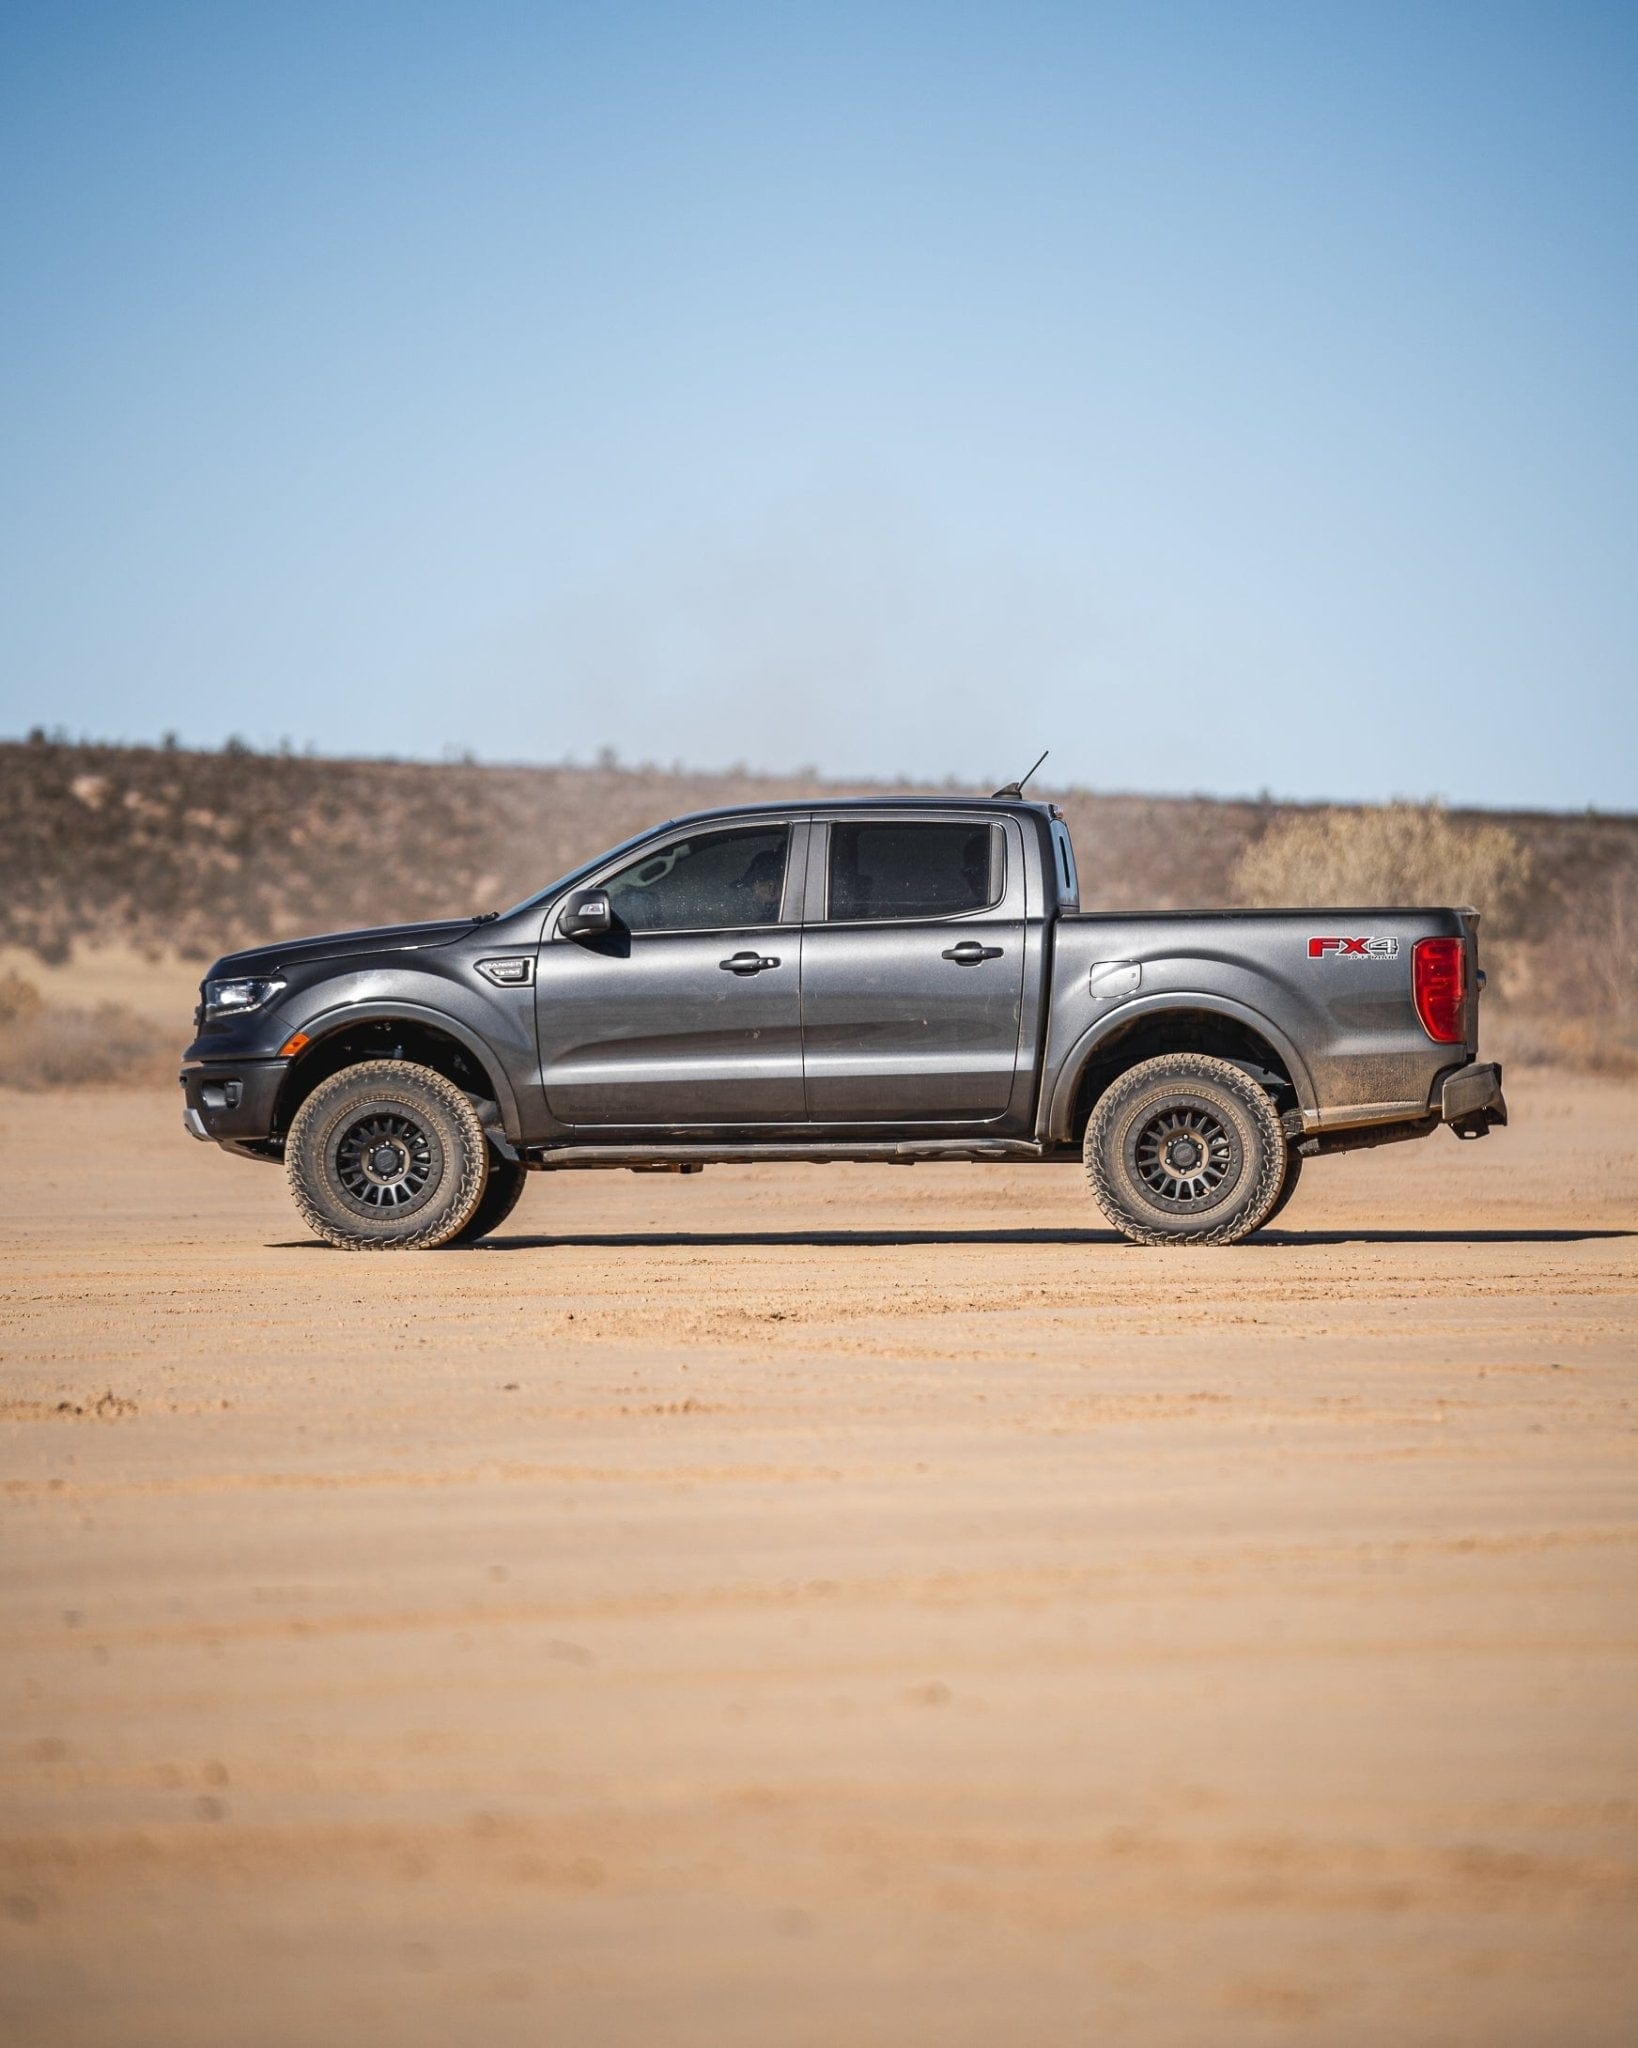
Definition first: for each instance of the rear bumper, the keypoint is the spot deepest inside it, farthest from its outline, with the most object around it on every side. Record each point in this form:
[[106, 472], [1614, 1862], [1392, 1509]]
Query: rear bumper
[[1471, 1100]]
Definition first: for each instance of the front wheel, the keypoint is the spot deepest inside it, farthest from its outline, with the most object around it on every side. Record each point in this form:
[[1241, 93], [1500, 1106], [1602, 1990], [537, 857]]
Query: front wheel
[[499, 1199], [387, 1156], [1185, 1149]]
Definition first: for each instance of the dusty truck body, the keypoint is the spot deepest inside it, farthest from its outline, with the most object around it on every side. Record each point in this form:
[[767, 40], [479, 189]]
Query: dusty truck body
[[856, 980]]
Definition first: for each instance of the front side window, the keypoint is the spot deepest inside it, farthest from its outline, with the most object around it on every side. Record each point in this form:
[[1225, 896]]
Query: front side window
[[915, 870], [712, 881]]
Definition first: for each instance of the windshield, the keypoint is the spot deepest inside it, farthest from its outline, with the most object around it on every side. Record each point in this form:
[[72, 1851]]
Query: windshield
[[586, 867]]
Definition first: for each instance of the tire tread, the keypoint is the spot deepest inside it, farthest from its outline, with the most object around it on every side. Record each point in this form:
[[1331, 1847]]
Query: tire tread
[[385, 1078], [502, 1193]]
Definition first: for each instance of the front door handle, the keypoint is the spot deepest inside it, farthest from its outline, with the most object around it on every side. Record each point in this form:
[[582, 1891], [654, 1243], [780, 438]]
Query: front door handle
[[970, 952], [749, 963]]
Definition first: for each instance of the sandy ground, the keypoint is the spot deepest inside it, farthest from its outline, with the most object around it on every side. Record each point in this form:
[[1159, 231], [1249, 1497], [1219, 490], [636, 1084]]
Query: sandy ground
[[820, 1606]]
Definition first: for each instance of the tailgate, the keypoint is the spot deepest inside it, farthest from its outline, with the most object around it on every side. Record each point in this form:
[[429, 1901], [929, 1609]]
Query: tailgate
[[1469, 919]]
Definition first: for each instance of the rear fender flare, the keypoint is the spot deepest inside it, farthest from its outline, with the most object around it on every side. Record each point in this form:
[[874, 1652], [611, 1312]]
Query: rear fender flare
[[1065, 1086]]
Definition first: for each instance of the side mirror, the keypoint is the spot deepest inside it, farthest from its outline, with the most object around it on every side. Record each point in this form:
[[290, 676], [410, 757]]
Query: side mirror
[[586, 915]]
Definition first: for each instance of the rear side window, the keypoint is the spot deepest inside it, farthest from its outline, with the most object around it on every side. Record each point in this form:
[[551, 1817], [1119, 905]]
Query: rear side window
[[915, 870]]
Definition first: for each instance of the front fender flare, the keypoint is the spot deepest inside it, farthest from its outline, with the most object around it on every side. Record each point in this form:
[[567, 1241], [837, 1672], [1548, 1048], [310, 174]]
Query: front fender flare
[[327, 1022], [1064, 1086]]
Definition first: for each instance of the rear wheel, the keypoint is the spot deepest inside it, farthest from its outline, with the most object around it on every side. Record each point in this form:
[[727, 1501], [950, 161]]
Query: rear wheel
[[496, 1203], [1288, 1187], [1185, 1149], [387, 1156]]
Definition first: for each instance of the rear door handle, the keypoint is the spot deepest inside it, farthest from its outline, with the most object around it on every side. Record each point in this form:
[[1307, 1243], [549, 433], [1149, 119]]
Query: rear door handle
[[970, 952], [748, 963]]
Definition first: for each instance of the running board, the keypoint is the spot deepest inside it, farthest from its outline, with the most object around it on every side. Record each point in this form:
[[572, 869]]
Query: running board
[[903, 1152]]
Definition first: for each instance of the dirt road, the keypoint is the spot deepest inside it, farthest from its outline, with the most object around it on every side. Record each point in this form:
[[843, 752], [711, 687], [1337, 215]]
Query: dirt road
[[820, 1606]]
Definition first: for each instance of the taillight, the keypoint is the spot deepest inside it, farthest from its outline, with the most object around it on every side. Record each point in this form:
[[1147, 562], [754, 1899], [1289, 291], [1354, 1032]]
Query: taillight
[[1439, 978]]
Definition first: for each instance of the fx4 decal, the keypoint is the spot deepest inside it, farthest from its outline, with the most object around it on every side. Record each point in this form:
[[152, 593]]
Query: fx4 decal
[[1353, 949]]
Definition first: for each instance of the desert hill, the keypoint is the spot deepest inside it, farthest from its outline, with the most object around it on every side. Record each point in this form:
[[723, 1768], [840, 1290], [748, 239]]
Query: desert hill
[[183, 854]]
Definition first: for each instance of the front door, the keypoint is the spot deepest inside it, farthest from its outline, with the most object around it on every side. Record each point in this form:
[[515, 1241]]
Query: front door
[[689, 1011], [913, 977]]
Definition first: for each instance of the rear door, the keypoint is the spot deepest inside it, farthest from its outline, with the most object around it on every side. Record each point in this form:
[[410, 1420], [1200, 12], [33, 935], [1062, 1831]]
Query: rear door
[[912, 968], [688, 1012]]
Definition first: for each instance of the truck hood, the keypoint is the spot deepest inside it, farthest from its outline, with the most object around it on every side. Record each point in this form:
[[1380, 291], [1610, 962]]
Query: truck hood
[[386, 938]]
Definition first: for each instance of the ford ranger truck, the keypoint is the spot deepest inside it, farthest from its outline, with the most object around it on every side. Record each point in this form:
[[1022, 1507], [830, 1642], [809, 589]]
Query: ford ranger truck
[[910, 981]]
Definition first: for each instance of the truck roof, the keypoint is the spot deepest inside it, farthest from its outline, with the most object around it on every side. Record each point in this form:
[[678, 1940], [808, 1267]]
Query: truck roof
[[827, 804]]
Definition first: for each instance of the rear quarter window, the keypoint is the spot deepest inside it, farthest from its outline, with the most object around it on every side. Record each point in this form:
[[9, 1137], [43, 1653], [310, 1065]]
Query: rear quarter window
[[1069, 884]]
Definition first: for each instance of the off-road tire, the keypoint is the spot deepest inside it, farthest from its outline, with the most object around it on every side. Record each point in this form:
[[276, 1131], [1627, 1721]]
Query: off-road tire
[[387, 1156], [496, 1203], [1185, 1149], [1288, 1187]]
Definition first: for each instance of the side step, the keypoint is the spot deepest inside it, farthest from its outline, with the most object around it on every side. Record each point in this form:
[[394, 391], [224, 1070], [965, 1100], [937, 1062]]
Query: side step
[[900, 1152]]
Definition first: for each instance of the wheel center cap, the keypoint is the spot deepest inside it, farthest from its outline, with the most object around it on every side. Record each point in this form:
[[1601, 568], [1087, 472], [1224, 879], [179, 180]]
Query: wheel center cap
[[387, 1160], [1184, 1154]]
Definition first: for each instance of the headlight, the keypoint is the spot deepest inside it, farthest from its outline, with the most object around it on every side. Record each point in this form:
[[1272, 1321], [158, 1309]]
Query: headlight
[[233, 998]]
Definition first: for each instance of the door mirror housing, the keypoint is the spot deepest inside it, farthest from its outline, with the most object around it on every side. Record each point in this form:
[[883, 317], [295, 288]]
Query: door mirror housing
[[586, 915]]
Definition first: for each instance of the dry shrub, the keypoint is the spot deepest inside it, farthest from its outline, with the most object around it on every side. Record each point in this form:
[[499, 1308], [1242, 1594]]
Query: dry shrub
[[1574, 988], [20, 1001], [1560, 947], [1398, 854], [1395, 854], [55, 1045]]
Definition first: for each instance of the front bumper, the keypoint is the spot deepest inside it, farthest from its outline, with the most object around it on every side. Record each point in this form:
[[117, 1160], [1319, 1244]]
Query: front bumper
[[1471, 1100], [232, 1103]]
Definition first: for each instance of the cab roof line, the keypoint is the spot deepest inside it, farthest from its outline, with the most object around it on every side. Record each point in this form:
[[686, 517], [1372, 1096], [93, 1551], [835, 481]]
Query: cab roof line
[[814, 806]]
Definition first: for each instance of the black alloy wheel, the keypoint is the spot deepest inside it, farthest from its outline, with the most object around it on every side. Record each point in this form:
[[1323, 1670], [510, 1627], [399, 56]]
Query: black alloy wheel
[[386, 1160], [1185, 1156]]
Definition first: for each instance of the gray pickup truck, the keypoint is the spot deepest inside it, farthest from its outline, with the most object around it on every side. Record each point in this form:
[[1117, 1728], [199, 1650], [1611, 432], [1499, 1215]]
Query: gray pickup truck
[[850, 980]]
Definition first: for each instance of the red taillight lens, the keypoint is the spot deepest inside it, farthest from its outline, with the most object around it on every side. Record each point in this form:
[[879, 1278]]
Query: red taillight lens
[[1439, 977]]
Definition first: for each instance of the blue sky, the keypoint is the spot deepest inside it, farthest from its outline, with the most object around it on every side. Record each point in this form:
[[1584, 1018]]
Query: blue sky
[[1228, 396]]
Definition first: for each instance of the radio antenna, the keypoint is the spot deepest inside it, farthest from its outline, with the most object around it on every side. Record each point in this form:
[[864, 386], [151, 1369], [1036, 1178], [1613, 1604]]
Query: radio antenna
[[1017, 788]]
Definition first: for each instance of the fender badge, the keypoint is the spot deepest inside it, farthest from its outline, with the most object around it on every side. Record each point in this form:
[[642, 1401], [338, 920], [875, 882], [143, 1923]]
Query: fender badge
[[1352, 949], [514, 970]]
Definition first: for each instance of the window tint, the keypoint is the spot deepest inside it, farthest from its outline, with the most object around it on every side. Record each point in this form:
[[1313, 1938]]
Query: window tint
[[915, 870], [711, 881]]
